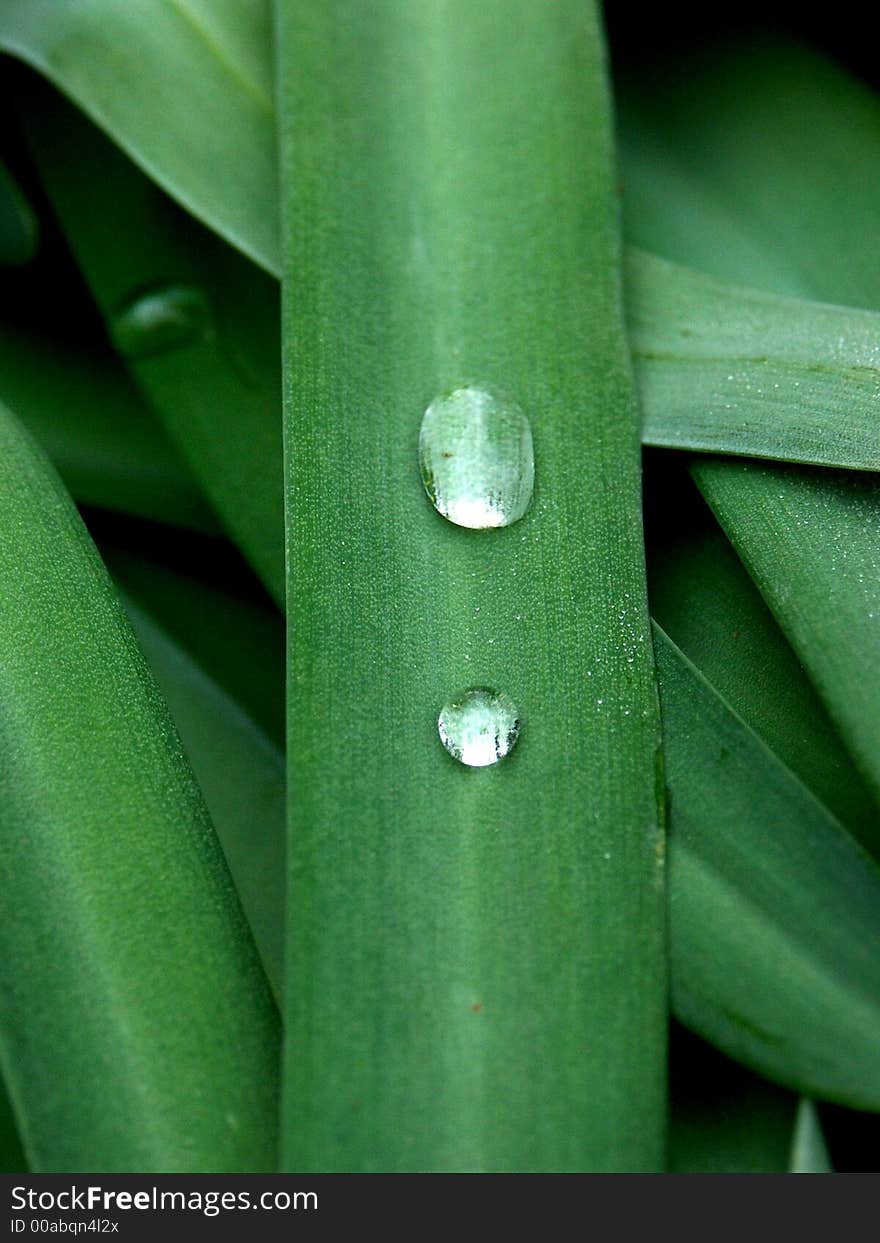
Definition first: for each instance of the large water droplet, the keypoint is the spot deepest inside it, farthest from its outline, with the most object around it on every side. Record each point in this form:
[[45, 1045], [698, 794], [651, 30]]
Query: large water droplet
[[479, 726], [160, 319], [477, 459]]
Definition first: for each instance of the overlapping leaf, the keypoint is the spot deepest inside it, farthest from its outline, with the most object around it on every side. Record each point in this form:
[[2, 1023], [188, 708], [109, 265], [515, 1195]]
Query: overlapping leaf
[[803, 187], [99, 810]]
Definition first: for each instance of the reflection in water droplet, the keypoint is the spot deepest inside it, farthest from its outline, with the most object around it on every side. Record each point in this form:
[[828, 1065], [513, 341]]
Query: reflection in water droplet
[[479, 726], [160, 319], [477, 459]]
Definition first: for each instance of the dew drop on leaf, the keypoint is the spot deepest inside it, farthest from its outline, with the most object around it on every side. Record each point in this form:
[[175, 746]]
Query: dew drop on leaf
[[162, 318], [479, 726], [477, 459]]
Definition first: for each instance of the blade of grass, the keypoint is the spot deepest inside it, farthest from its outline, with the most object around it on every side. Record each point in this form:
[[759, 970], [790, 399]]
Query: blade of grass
[[809, 1154], [705, 601], [811, 542], [103, 441], [788, 982], [728, 369], [137, 1031], [476, 975], [198, 324], [184, 88]]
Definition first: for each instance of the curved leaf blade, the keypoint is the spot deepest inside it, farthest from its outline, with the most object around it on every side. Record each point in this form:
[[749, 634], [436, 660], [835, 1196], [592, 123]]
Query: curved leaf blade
[[811, 542], [708, 605], [789, 980], [184, 87], [137, 1031]]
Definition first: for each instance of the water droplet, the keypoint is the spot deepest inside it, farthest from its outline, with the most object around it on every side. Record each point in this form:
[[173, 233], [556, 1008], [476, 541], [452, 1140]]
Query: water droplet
[[160, 319], [477, 459], [479, 726]]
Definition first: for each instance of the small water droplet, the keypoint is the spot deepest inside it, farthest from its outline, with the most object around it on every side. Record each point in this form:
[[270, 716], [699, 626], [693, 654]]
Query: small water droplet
[[160, 319], [477, 459], [479, 726]]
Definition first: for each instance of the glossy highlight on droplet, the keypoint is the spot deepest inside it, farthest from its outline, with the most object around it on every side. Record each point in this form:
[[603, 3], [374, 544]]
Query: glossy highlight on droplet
[[160, 319], [477, 459], [479, 726]]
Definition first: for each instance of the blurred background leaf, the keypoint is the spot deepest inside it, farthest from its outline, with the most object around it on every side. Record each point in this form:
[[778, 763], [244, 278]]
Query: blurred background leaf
[[185, 89]]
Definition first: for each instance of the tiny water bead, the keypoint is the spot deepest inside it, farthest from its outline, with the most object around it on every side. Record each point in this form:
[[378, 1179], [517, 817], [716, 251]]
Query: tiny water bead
[[477, 459], [162, 318], [479, 726]]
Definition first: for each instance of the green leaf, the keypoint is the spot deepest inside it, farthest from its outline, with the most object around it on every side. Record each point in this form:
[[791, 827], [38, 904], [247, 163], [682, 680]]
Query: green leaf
[[137, 1031], [476, 974], [19, 226], [733, 370], [183, 86], [103, 441], [198, 323], [241, 774], [809, 1154], [811, 542], [707, 604], [787, 980]]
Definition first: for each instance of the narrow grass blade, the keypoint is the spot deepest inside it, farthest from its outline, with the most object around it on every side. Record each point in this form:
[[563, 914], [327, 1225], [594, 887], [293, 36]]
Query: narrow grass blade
[[723, 1118], [708, 605], [137, 1031], [185, 88], [103, 441], [811, 541], [241, 774], [476, 975], [728, 369], [809, 1154], [788, 982], [196, 323]]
